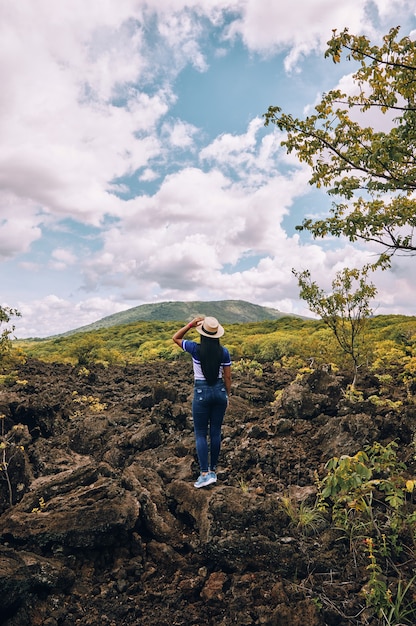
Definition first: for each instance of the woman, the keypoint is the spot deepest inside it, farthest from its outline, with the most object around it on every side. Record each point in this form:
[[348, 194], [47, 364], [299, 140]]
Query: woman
[[212, 378]]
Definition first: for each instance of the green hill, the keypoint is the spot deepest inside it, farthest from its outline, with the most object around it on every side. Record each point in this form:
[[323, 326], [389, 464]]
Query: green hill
[[226, 311]]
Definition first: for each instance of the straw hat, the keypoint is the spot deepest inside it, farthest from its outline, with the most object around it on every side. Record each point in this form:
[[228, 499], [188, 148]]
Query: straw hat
[[210, 327]]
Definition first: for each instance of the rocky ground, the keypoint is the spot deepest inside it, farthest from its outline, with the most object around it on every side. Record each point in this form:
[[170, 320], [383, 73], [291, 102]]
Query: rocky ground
[[106, 528]]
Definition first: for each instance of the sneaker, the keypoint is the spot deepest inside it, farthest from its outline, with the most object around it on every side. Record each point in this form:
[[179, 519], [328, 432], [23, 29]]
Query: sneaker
[[204, 481], [213, 475]]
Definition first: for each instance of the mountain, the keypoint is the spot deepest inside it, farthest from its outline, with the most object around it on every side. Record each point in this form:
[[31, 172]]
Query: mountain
[[226, 311]]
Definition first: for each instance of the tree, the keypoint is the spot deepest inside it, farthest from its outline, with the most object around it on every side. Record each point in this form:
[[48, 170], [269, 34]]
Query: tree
[[372, 171], [345, 311], [6, 313], [86, 349]]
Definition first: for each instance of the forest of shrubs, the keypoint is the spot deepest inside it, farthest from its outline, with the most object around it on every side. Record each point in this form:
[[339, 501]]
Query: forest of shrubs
[[387, 347]]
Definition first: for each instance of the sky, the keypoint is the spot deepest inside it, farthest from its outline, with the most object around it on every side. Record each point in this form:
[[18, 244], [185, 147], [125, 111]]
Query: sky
[[135, 166]]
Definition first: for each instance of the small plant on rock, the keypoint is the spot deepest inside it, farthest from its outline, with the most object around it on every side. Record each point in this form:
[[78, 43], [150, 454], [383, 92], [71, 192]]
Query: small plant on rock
[[8, 448], [395, 608], [243, 485], [42, 504], [249, 367], [91, 402], [304, 517]]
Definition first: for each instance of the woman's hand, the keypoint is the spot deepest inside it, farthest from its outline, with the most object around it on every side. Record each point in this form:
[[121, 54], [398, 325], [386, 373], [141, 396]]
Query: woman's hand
[[178, 336], [196, 321]]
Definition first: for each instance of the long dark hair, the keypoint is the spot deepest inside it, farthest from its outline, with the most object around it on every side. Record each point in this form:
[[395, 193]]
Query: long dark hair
[[210, 354]]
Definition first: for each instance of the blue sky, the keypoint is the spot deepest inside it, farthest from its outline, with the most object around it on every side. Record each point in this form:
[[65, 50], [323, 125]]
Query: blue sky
[[135, 165]]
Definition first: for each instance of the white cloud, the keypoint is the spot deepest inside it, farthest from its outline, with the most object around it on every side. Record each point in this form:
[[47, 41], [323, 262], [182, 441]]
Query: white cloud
[[17, 235], [179, 243], [52, 315], [303, 27], [148, 175], [62, 258], [180, 134], [234, 150], [396, 288], [63, 139]]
